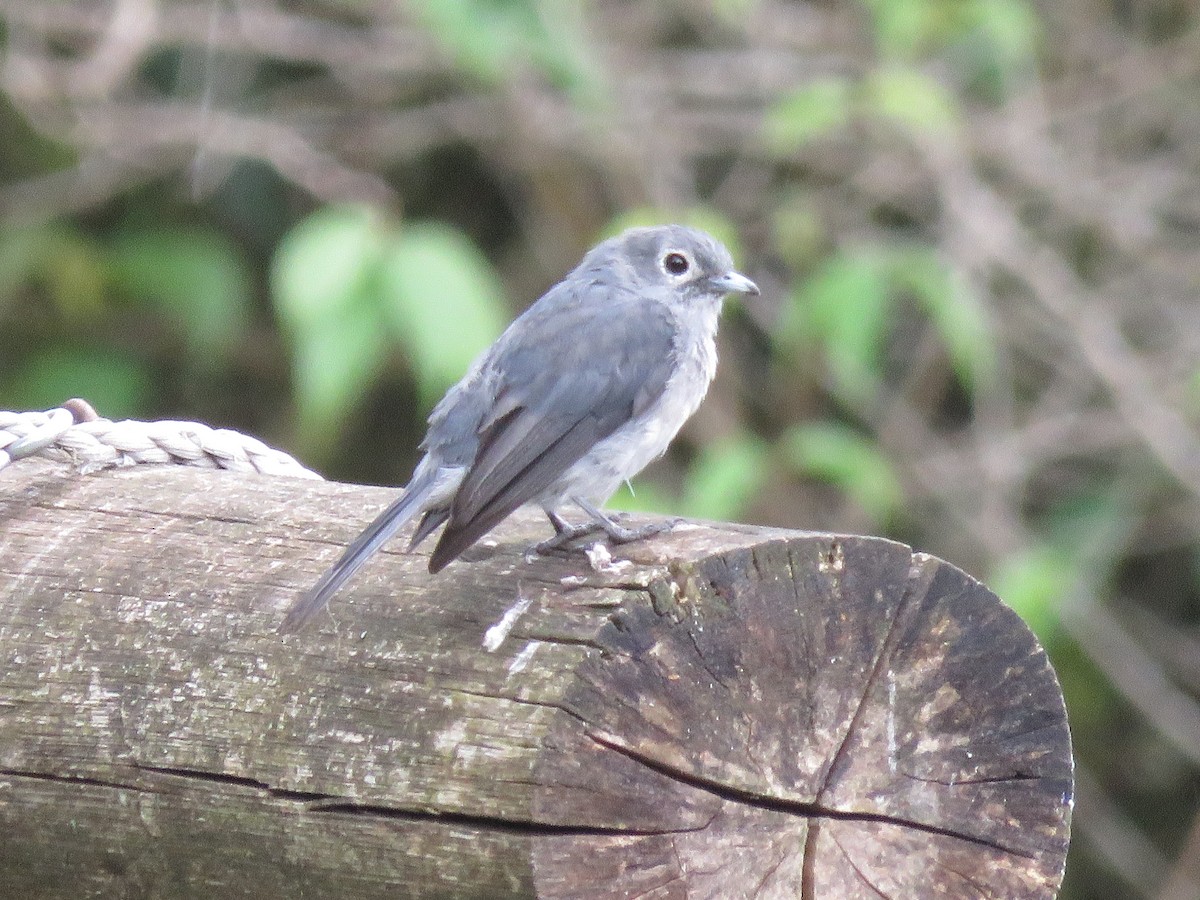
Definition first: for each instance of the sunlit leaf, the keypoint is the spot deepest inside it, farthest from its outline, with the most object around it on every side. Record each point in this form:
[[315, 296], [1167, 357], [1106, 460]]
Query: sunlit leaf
[[325, 266], [196, 277], [74, 271], [1034, 583], [735, 12], [444, 301], [493, 40], [1012, 27], [332, 367], [842, 307], [1080, 535], [848, 460], [725, 478], [806, 113], [957, 314], [997, 45], [903, 28], [911, 99], [797, 230]]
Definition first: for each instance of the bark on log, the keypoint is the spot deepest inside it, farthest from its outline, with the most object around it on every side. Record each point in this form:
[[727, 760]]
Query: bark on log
[[722, 712]]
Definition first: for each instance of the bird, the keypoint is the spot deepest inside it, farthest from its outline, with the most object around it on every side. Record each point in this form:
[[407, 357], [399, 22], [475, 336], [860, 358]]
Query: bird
[[582, 390]]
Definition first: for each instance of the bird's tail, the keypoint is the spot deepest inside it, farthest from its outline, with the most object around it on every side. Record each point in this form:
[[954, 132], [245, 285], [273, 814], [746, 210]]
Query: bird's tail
[[387, 523]]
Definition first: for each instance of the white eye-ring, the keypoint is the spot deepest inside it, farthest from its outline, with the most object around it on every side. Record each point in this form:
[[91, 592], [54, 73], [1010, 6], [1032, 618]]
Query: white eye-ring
[[675, 263]]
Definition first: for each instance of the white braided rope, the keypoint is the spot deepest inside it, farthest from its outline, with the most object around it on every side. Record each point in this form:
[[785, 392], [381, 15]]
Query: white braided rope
[[102, 443]]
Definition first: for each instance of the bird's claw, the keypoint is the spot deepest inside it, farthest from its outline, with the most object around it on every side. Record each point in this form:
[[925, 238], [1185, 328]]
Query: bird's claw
[[569, 535], [619, 534]]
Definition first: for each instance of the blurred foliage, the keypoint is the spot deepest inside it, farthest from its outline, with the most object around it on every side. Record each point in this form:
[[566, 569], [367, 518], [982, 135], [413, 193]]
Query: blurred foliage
[[847, 307], [344, 281], [492, 40], [849, 461], [974, 222]]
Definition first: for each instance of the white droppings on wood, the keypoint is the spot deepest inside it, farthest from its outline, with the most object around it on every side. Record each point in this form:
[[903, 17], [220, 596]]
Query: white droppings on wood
[[598, 556], [521, 660], [494, 636], [891, 721]]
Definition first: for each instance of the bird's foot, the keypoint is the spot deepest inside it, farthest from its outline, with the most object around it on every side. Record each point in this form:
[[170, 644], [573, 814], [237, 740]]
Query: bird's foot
[[619, 534], [567, 536]]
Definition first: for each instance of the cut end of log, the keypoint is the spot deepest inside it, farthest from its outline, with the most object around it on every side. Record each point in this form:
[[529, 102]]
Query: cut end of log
[[821, 717]]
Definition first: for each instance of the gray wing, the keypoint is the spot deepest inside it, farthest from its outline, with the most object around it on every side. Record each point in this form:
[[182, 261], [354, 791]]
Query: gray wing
[[571, 378]]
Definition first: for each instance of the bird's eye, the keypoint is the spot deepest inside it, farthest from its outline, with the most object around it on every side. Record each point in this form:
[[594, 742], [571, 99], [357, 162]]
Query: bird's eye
[[675, 263]]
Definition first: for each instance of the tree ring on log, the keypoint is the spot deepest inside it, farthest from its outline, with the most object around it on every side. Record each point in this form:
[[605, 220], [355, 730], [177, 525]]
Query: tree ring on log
[[824, 717]]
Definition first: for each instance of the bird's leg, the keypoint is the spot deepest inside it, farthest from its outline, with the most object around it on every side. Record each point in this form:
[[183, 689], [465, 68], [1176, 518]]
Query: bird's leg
[[566, 533], [618, 533]]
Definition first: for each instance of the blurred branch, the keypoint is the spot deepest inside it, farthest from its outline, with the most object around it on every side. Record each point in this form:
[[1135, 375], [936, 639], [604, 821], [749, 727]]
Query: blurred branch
[[990, 234], [1120, 844], [1136, 674], [1183, 882]]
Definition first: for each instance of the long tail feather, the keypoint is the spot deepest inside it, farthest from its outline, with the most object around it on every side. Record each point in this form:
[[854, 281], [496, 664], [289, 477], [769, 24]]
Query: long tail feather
[[386, 524]]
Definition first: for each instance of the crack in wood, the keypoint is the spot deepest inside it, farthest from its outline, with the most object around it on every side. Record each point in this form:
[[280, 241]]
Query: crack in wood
[[208, 777], [74, 779], [802, 808], [842, 756], [862, 876], [497, 824], [508, 698], [966, 782]]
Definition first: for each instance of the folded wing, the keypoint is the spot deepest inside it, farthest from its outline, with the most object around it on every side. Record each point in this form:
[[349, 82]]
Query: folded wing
[[555, 400]]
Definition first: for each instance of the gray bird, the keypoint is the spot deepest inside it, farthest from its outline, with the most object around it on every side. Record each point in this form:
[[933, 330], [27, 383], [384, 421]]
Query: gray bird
[[581, 391]]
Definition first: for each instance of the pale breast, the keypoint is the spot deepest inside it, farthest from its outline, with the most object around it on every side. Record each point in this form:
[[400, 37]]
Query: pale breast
[[642, 440]]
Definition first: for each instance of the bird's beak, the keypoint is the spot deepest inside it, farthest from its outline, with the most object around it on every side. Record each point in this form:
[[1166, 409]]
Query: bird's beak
[[733, 283]]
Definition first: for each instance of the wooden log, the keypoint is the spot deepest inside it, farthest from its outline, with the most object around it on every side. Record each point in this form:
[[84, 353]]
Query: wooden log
[[722, 712]]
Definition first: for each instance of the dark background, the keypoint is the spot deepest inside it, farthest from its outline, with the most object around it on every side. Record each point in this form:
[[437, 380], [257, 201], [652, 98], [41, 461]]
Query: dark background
[[976, 227]]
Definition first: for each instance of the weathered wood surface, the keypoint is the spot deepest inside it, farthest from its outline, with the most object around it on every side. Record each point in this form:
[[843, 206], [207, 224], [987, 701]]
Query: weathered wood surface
[[732, 712]]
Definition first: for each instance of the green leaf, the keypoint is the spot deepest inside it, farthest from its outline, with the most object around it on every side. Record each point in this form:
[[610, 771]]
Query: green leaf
[[326, 284], [496, 40], [1081, 538], [70, 266], [1034, 583], [735, 13], [846, 459], [1192, 394], [843, 308], [903, 28], [956, 313], [725, 478], [21, 254], [118, 385], [806, 113], [332, 368], [1012, 27], [326, 266], [74, 270], [196, 277], [797, 230], [911, 99], [444, 301], [997, 45]]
